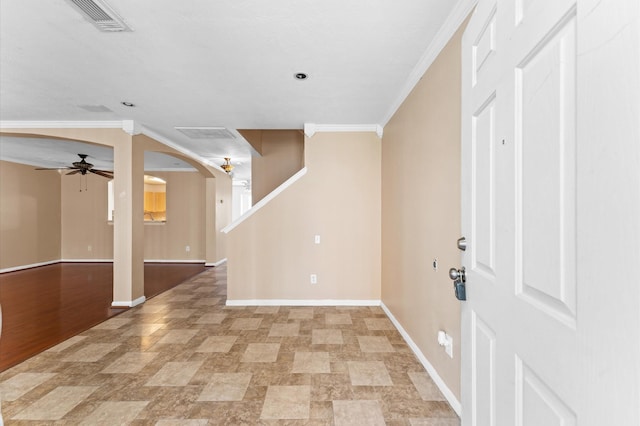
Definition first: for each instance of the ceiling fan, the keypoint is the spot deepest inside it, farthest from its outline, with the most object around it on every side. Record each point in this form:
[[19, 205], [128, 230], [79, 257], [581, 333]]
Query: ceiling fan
[[82, 167]]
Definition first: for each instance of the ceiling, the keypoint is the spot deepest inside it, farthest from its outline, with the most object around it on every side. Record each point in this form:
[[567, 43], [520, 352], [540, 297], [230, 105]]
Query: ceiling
[[203, 63]]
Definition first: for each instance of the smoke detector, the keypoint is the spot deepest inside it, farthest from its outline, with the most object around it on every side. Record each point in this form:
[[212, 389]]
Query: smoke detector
[[101, 15]]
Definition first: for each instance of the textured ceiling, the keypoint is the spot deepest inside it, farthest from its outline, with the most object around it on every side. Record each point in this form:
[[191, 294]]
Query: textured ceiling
[[228, 63]]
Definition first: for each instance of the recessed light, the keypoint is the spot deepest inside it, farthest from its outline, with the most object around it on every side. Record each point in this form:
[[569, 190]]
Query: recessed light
[[128, 104], [300, 76]]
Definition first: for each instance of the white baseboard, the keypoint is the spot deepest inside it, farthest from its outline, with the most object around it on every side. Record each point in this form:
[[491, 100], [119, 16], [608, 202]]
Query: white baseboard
[[302, 302], [52, 262], [218, 263], [145, 260], [33, 265], [136, 302], [451, 399]]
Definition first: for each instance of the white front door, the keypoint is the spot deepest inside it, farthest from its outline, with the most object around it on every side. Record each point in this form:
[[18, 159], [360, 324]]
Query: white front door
[[551, 213]]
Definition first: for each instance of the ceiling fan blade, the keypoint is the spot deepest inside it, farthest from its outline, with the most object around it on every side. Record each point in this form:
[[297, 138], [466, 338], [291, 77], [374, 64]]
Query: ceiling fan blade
[[103, 173], [74, 172], [51, 168]]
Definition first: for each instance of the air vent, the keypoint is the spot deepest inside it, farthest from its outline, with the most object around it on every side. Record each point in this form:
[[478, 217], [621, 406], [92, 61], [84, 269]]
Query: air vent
[[206, 132], [95, 108], [101, 15]]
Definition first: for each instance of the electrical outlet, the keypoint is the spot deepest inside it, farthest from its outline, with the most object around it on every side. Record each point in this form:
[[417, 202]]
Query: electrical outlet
[[89, 248], [187, 249], [314, 279], [447, 341], [448, 348], [317, 239]]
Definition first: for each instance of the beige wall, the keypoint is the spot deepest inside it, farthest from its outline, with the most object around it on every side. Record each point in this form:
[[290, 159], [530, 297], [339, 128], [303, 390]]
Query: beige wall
[[272, 253], [74, 226], [29, 215], [185, 220], [223, 205], [282, 157], [421, 211], [86, 234], [82, 220]]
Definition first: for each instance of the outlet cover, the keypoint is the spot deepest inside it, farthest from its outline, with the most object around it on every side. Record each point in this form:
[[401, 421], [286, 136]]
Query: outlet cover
[[313, 278], [448, 347]]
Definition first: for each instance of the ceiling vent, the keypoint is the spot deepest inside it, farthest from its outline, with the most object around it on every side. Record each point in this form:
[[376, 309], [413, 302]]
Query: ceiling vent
[[101, 15], [95, 108], [206, 132]]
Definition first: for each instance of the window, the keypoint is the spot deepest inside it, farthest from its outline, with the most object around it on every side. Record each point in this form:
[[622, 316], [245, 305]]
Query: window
[[155, 199]]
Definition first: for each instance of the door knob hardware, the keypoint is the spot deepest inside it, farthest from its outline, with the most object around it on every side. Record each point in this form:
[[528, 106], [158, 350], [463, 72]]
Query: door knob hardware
[[459, 279], [457, 274]]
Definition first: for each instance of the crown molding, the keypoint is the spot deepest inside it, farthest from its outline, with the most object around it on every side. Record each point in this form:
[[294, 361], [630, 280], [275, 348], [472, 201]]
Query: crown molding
[[457, 16], [113, 124], [311, 129], [131, 127]]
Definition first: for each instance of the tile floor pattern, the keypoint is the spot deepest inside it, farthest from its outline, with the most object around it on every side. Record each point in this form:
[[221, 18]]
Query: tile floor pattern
[[184, 358]]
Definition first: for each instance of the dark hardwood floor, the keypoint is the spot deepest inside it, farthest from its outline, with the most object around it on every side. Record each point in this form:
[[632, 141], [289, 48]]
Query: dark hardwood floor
[[44, 306]]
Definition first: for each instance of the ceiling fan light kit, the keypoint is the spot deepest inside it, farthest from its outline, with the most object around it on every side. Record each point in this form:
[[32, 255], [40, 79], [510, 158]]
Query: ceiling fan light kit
[[227, 166], [82, 167]]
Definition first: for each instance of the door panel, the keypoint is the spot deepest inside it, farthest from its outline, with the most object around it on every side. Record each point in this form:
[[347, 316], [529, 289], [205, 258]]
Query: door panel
[[550, 209], [519, 144], [484, 46], [483, 382], [483, 139], [537, 403], [545, 85]]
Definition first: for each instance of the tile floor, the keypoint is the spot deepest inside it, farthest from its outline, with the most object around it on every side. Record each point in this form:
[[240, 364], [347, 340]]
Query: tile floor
[[184, 358]]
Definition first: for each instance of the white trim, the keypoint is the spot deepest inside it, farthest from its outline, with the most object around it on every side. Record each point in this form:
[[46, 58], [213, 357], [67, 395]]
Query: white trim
[[311, 129], [177, 169], [302, 302], [459, 13], [145, 260], [131, 304], [131, 127], [113, 124], [33, 265], [257, 206], [451, 398], [218, 263]]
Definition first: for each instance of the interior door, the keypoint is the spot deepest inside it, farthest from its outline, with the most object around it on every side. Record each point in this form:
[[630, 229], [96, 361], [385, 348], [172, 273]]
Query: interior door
[[536, 308]]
